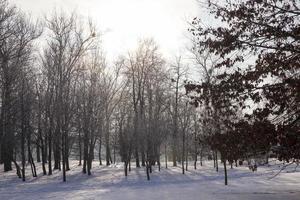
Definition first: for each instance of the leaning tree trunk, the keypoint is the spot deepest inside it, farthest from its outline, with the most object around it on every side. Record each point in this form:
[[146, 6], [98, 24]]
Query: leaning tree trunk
[[17, 168], [30, 158], [90, 156]]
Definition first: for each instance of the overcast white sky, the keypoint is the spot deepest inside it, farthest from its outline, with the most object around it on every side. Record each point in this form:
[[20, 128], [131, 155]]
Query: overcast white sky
[[125, 21]]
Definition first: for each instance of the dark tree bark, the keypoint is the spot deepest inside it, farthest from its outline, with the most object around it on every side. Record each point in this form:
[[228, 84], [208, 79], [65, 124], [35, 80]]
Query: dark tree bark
[[30, 158], [63, 154], [56, 150], [50, 151], [201, 157], [148, 170], [23, 154], [125, 168], [137, 160], [217, 165], [99, 153], [85, 152], [183, 152], [186, 160], [38, 153], [17, 169], [166, 157], [225, 172], [79, 148], [143, 156], [195, 160], [67, 153]]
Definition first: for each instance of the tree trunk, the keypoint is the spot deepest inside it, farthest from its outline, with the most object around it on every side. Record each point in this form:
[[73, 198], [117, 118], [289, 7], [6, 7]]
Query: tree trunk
[[7, 132], [225, 171], [143, 156], [43, 158], [217, 165], [186, 161], [23, 133], [63, 154], [125, 167], [90, 157], [99, 153], [49, 152], [18, 169], [7, 153], [129, 169], [107, 153], [38, 154], [107, 144], [67, 153], [166, 157], [183, 151], [158, 159], [1, 161], [137, 161], [174, 155], [85, 153], [147, 171], [31, 161], [114, 154], [79, 149], [201, 157], [46, 148], [195, 162], [23, 154], [42, 148], [214, 158], [57, 154], [30, 158]]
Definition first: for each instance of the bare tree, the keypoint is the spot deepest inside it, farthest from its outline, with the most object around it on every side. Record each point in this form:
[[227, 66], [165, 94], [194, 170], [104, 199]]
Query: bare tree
[[16, 42], [178, 72], [67, 45]]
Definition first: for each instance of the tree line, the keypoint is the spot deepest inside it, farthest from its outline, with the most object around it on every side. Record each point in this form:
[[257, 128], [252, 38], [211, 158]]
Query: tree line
[[61, 99]]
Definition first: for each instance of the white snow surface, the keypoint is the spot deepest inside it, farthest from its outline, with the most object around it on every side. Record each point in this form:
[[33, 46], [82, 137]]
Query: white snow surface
[[109, 183]]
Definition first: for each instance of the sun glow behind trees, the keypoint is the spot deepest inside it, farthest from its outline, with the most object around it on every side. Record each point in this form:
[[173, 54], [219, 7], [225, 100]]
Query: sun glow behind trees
[[124, 22]]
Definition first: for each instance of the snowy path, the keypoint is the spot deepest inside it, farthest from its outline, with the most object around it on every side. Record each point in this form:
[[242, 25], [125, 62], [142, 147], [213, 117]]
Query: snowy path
[[109, 183]]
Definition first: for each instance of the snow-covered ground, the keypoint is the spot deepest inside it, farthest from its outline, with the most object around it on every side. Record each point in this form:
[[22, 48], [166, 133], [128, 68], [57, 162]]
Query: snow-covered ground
[[109, 183]]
